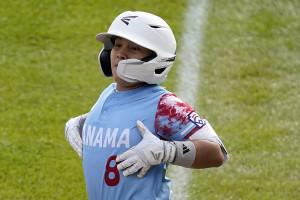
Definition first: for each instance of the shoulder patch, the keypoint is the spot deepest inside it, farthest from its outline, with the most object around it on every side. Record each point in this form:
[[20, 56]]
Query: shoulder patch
[[194, 117]]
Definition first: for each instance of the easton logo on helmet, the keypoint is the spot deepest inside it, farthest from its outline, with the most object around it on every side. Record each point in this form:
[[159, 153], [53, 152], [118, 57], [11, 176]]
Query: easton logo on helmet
[[127, 19]]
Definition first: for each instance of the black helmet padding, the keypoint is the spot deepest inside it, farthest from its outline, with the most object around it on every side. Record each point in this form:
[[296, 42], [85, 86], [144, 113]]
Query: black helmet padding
[[104, 60]]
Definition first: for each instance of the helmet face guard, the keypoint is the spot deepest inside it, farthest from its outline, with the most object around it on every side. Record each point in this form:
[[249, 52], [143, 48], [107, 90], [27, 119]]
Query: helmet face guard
[[152, 72], [146, 30]]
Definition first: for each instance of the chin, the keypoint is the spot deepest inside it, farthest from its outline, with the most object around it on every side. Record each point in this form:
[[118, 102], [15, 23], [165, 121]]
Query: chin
[[120, 81]]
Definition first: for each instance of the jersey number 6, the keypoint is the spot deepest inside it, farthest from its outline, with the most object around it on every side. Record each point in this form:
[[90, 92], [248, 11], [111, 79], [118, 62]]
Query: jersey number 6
[[112, 175]]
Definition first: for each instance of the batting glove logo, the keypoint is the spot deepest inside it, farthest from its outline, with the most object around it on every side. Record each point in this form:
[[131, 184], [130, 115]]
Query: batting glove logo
[[198, 121]]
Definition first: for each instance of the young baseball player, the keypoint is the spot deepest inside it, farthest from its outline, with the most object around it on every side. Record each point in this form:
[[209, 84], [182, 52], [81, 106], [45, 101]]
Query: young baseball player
[[136, 128]]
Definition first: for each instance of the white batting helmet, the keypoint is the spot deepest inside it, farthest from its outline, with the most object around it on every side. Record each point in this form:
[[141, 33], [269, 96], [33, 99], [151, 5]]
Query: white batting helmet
[[146, 30]]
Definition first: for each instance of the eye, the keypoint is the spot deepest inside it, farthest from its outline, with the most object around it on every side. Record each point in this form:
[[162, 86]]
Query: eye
[[134, 48], [117, 45]]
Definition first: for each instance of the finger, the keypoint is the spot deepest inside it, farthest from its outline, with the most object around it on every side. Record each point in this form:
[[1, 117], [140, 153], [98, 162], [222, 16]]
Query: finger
[[143, 172], [128, 162], [76, 134], [80, 154], [75, 143], [124, 155], [141, 127], [77, 148], [67, 127], [66, 130], [131, 170]]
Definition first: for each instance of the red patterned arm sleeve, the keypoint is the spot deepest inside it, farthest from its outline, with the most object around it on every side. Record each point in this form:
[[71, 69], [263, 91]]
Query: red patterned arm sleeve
[[176, 120]]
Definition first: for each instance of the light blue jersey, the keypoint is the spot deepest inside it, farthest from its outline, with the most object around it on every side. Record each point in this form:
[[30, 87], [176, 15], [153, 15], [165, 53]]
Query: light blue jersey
[[110, 129]]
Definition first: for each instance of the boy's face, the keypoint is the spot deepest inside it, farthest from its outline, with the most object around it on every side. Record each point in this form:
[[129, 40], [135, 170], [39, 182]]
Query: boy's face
[[124, 49]]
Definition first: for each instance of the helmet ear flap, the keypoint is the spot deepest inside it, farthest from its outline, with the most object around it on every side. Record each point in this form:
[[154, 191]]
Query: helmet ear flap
[[104, 62]]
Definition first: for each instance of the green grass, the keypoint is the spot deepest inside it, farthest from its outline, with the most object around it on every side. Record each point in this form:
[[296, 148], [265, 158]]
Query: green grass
[[249, 92]]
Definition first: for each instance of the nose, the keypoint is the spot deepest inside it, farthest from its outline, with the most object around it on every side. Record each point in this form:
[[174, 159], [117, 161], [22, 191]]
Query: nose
[[121, 55]]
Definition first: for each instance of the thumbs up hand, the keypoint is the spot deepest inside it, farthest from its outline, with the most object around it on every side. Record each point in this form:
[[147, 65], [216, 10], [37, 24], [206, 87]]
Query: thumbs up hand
[[150, 151]]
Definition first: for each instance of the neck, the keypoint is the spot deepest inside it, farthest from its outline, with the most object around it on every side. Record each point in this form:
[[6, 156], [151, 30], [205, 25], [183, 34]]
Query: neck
[[121, 87]]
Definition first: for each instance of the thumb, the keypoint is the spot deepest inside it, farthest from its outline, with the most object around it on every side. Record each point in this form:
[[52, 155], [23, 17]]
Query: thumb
[[142, 128]]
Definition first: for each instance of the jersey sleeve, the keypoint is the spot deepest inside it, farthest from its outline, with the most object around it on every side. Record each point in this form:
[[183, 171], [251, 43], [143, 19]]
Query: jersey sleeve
[[176, 120]]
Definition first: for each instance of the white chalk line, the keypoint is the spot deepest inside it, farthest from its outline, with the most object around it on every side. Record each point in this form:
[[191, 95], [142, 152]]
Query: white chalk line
[[188, 80]]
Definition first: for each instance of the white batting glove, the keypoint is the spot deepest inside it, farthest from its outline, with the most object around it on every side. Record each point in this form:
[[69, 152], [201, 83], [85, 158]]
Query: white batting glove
[[73, 132], [150, 151]]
